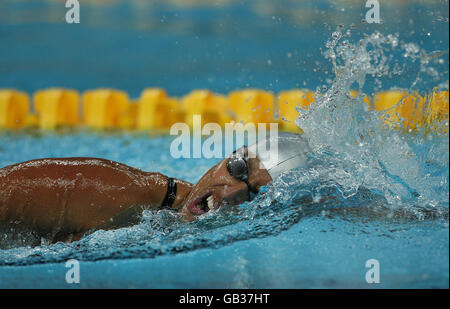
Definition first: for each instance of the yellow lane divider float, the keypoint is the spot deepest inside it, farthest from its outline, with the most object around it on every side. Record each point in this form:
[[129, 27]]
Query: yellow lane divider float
[[252, 105], [56, 107], [14, 108], [412, 111], [156, 110], [211, 107], [289, 102], [437, 111], [104, 108]]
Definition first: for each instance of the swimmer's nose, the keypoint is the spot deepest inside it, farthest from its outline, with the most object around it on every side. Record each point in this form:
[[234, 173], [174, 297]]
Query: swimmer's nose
[[236, 194]]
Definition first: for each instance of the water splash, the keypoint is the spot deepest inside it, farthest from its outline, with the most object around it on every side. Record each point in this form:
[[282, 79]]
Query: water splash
[[370, 153]]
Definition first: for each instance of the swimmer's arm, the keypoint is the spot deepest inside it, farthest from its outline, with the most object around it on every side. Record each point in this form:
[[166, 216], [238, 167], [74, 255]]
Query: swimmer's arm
[[74, 195]]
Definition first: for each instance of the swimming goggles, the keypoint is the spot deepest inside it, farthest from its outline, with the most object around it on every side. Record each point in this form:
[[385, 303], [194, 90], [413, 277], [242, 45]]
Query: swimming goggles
[[237, 167]]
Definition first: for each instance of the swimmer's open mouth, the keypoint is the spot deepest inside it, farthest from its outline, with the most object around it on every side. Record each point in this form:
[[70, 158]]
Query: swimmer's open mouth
[[202, 204]]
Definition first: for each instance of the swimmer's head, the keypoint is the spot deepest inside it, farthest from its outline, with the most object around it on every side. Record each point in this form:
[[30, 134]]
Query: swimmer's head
[[236, 178]]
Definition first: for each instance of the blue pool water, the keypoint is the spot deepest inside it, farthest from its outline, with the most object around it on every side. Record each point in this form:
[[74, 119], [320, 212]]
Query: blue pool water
[[131, 45], [367, 192], [316, 253], [290, 244]]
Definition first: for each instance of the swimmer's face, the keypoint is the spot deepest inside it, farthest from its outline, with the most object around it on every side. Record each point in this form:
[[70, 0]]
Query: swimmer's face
[[226, 184]]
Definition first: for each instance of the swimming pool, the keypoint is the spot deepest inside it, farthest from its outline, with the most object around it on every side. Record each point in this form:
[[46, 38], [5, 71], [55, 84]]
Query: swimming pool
[[368, 192], [281, 246]]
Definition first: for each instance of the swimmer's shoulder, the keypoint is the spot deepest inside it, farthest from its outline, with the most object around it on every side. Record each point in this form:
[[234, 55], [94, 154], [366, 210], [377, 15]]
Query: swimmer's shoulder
[[61, 164], [62, 161]]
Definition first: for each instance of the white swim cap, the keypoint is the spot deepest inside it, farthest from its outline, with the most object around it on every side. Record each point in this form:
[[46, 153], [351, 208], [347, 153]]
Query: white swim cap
[[281, 153]]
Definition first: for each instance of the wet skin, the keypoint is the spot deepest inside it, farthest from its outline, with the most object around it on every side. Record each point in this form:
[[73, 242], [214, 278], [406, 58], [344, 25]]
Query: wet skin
[[64, 198]]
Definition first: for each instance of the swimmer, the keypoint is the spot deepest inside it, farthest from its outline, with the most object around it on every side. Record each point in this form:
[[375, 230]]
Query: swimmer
[[62, 199]]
